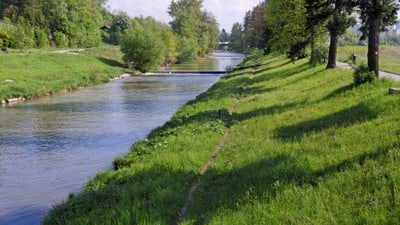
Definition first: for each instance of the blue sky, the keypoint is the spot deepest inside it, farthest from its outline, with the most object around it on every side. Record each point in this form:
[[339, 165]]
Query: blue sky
[[226, 12]]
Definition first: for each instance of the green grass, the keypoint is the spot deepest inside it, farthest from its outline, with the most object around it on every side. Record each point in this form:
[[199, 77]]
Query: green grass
[[306, 147], [388, 61], [38, 73]]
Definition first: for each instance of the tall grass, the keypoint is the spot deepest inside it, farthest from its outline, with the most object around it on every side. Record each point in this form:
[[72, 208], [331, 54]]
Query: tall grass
[[388, 56], [41, 73], [306, 147]]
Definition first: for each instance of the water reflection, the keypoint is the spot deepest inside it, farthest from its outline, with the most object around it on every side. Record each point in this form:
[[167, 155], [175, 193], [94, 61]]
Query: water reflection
[[51, 146]]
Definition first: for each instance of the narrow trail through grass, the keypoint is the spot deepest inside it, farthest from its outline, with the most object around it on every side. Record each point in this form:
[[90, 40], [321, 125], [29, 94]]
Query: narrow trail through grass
[[296, 145], [214, 154]]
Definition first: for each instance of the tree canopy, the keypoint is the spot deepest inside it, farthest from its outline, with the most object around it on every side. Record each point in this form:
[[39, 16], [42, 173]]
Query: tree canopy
[[60, 23]]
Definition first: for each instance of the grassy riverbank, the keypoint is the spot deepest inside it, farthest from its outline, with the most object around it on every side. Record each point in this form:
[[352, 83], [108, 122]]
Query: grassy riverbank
[[305, 147], [39, 73]]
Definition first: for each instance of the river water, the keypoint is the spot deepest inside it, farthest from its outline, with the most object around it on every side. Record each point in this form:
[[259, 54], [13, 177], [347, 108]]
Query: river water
[[51, 146]]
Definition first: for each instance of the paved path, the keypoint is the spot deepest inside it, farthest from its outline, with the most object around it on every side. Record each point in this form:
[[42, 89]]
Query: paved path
[[395, 77]]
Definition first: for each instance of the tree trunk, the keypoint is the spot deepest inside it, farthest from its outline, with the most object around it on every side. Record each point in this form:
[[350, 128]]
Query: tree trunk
[[373, 46], [332, 51]]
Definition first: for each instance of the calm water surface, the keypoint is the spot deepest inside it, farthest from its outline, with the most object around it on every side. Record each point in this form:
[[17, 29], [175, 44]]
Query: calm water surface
[[51, 146]]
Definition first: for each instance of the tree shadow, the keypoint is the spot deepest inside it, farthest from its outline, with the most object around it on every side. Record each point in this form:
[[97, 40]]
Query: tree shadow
[[223, 89], [275, 109], [344, 118], [110, 62], [279, 75], [338, 92], [137, 196], [265, 178], [254, 90], [156, 194], [201, 117]]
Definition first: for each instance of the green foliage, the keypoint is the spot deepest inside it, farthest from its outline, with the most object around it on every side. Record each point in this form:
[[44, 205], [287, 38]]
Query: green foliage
[[236, 38], [256, 33], [191, 23], [60, 39], [5, 39], [320, 54], [142, 49], [287, 21], [78, 21], [170, 43], [187, 49], [41, 38], [363, 75]]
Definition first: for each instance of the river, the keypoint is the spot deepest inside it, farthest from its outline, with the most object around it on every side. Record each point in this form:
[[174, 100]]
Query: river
[[51, 146]]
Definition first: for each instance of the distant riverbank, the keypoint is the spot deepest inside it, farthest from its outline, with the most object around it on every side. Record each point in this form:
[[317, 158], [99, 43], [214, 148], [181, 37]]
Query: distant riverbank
[[31, 75]]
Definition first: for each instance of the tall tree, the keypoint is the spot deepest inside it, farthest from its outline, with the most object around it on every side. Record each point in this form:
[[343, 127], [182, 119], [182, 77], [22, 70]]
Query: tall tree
[[142, 48], [256, 32], [340, 20], [376, 15], [194, 26], [287, 21], [236, 39]]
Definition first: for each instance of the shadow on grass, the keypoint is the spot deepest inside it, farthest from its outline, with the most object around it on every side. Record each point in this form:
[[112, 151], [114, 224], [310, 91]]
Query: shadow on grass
[[148, 196], [156, 195], [110, 62], [265, 179], [279, 75], [202, 117], [344, 118], [275, 109], [339, 91]]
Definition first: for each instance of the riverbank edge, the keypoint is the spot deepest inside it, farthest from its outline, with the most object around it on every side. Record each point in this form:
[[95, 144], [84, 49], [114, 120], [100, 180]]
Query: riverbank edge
[[110, 58], [280, 175], [12, 101]]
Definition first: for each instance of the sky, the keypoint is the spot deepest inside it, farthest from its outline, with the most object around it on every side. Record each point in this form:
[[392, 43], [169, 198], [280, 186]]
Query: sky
[[226, 12]]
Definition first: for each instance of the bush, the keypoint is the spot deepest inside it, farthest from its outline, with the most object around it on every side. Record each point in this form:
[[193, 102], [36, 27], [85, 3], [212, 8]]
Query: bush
[[41, 39], [5, 39], [60, 39], [363, 75], [319, 54]]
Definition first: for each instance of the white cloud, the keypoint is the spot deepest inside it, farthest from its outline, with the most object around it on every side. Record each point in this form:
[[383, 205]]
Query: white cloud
[[226, 12]]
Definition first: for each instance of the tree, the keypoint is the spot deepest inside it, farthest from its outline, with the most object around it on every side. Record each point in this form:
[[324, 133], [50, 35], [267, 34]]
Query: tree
[[223, 36], [195, 27], [337, 25], [287, 21], [376, 15], [256, 32], [120, 22], [142, 48], [169, 40], [236, 39]]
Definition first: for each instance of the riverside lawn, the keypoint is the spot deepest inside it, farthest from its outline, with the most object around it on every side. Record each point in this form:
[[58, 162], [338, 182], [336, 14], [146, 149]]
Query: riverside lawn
[[37, 73], [388, 56], [306, 147]]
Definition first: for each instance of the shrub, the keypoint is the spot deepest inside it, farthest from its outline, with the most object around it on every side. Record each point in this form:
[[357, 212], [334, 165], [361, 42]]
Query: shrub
[[5, 39], [41, 39], [60, 39], [319, 54], [363, 75]]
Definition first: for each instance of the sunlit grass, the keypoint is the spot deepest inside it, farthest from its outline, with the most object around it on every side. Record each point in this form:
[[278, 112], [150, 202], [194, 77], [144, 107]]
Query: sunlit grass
[[306, 147], [39, 73], [388, 61]]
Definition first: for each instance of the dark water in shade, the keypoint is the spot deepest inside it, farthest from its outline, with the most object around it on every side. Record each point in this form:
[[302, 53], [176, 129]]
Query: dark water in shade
[[51, 146]]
